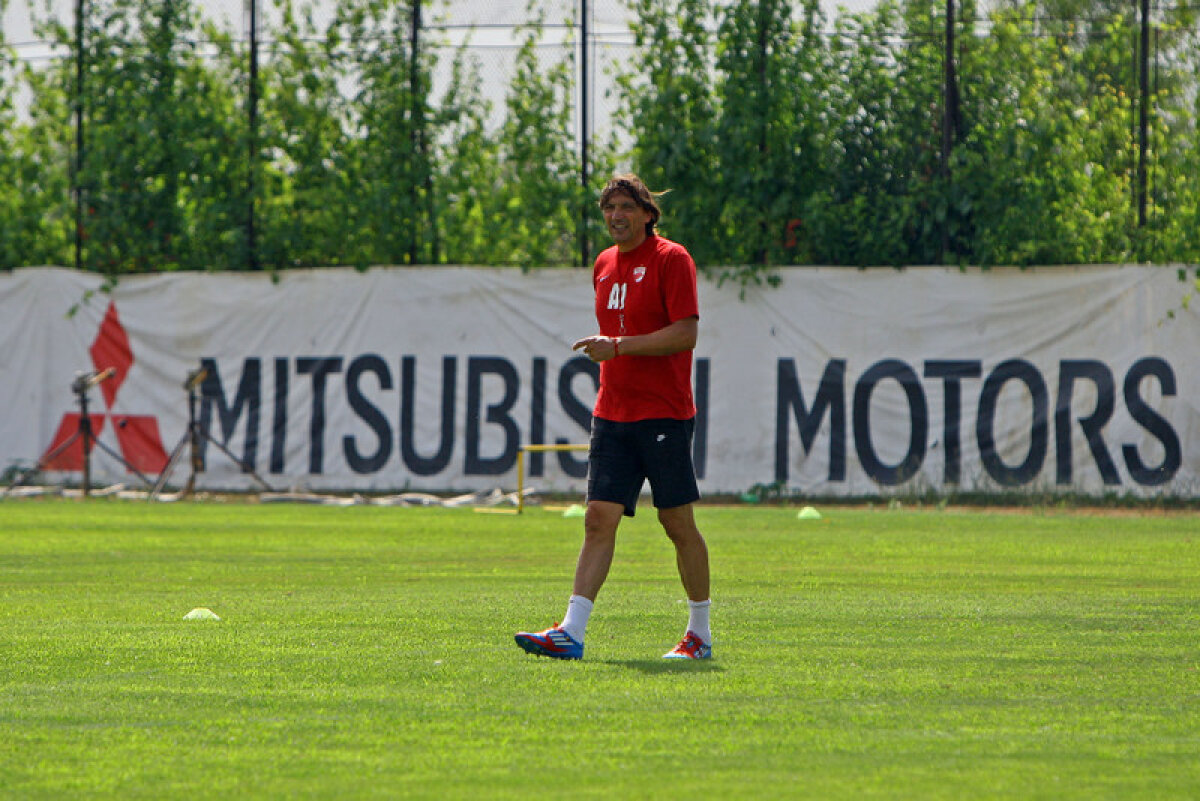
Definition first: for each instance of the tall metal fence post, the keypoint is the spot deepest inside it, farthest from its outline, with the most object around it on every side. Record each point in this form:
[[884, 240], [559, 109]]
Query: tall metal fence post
[[585, 205], [420, 142], [77, 177], [762, 254], [422, 136], [252, 155], [949, 120], [1143, 111]]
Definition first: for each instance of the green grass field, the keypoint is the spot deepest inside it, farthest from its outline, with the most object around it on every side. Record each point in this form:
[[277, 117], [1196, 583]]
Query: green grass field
[[366, 652]]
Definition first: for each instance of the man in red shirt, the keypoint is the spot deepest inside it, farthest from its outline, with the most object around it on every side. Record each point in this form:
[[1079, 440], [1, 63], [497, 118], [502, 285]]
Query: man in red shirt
[[648, 311]]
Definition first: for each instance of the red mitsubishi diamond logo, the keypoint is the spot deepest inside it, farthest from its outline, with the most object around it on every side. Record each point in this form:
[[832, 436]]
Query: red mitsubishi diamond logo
[[137, 435]]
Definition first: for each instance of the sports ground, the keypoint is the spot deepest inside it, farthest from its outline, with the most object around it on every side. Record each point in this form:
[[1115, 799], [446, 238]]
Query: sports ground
[[367, 652]]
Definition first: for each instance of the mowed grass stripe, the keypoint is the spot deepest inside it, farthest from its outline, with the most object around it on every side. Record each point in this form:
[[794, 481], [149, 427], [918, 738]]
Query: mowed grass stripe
[[366, 652]]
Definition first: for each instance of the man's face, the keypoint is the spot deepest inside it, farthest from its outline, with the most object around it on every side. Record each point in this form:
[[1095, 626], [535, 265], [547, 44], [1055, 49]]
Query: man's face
[[626, 220]]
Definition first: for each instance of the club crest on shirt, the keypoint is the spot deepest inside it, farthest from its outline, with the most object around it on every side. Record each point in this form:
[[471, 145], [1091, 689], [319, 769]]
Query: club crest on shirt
[[639, 273]]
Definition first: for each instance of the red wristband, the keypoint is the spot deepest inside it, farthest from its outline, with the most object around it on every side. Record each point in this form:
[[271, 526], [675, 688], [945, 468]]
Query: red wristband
[[616, 347]]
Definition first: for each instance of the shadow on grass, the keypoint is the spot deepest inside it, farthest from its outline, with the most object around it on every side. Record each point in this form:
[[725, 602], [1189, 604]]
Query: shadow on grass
[[661, 666]]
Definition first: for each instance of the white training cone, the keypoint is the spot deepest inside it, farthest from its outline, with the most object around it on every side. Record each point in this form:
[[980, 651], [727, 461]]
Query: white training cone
[[809, 513], [201, 613]]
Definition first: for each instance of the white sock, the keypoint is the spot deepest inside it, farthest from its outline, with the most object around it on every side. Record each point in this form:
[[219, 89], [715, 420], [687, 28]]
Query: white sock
[[698, 620], [579, 609]]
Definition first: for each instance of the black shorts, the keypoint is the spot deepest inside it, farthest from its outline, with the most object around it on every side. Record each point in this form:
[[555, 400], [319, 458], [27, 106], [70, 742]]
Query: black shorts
[[624, 456]]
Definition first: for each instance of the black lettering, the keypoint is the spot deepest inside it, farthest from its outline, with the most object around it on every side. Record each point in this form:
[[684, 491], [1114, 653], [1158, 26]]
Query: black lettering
[[831, 399], [247, 399], [497, 414], [700, 438], [952, 372], [537, 417], [319, 367], [985, 423], [1153, 422], [369, 414], [581, 413], [1070, 371], [279, 423], [918, 413], [418, 464]]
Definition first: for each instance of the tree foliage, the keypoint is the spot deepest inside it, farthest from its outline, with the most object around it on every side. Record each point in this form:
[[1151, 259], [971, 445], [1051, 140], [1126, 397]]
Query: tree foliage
[[669, 108], [539, 185], [36, 221], [781, 136], [833, 143]]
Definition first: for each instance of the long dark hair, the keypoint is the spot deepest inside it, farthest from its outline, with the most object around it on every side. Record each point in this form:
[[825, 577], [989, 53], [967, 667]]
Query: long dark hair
[[630, 184]]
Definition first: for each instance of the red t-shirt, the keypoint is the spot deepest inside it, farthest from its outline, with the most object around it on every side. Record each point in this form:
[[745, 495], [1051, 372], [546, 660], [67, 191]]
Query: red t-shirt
[[640, 292]]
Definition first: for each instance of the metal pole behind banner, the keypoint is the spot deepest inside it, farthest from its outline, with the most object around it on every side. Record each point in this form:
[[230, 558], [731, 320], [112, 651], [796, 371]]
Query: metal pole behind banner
[[1143, 111], [435, 255], [949, 117], [252, 155], [584, 250], [80, 65], [417, 111]]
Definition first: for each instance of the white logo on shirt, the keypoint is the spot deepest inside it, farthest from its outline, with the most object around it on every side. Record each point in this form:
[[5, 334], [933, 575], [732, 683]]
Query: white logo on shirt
[[639, 273], [616, 297]]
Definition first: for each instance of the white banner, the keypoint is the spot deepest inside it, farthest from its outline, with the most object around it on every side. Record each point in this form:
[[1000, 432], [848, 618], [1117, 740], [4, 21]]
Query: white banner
[[839, 382]]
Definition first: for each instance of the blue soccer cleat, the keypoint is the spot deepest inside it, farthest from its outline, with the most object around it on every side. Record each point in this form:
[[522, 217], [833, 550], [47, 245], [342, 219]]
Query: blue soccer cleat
[[690, 647], [553, 642]]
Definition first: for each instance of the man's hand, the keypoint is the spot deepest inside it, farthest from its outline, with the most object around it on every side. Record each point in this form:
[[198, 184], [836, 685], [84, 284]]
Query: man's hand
[[598, 348]]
